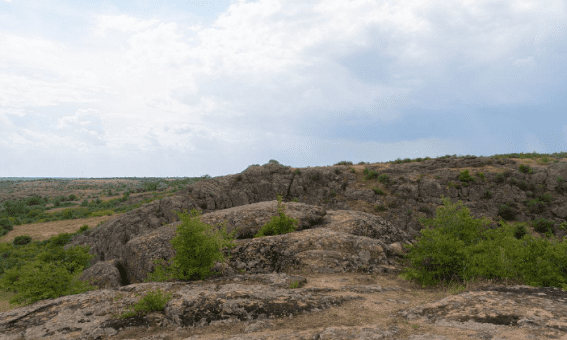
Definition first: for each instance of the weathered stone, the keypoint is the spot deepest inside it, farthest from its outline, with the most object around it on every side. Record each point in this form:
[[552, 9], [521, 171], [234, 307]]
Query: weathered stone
[[104, 274]]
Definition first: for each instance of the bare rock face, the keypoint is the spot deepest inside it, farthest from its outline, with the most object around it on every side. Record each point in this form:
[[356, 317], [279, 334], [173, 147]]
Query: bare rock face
[[348, 222]]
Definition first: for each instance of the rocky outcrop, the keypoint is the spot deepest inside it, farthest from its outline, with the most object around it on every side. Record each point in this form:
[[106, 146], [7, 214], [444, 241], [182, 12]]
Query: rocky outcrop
[[345, 240], [398, 194], [351, 219]]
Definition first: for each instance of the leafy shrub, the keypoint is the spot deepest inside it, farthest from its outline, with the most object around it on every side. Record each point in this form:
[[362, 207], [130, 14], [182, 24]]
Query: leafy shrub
[[377, 191], [383, 178], [83, 229], [35, 200], [5, 226], [439, 253], [525, 169], [15, 208], [22, 240], [197, 249], [72, 197], [520, 231], [506, 212], [85, 203], [38, 281], [499, 178], [152, 301], [542, 225], [61, 239], [279, 224], [369, 174], [464, 176], [458, 249]]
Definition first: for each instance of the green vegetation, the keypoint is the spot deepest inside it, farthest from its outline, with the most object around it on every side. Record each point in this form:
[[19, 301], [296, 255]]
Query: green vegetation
[[281, 224], [43, 270], [457, 250]]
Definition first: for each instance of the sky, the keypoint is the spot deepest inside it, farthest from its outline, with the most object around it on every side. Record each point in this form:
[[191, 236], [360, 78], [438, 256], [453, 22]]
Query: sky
[[191, 88]]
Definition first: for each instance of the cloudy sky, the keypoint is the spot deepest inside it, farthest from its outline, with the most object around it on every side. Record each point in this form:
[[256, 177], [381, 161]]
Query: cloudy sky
[[187, 88]]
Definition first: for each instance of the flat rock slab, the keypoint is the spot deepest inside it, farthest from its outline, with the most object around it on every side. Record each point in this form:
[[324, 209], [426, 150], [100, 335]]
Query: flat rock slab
[[324, 306]]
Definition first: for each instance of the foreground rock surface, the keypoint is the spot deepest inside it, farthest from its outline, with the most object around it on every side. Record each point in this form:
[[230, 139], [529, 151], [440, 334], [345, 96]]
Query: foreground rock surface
[[323, 306], [344, 256]]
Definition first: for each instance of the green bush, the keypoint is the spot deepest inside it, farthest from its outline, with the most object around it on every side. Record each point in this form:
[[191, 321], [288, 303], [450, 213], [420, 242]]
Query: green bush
[[457, 249], [43, 270], [83, 228], [15, 208], [197, 249], [5, 226], [35, 200], [520, 231], [38, 281], [22, 240], [153, 301], [542, 225], [279, 224]]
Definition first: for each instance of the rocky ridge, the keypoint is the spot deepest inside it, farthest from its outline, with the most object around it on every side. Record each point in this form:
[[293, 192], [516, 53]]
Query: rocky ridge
[[348, 222]]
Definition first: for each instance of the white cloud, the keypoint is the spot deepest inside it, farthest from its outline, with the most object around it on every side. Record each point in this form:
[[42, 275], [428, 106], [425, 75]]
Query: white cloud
[[268, 69], [120, 23]]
